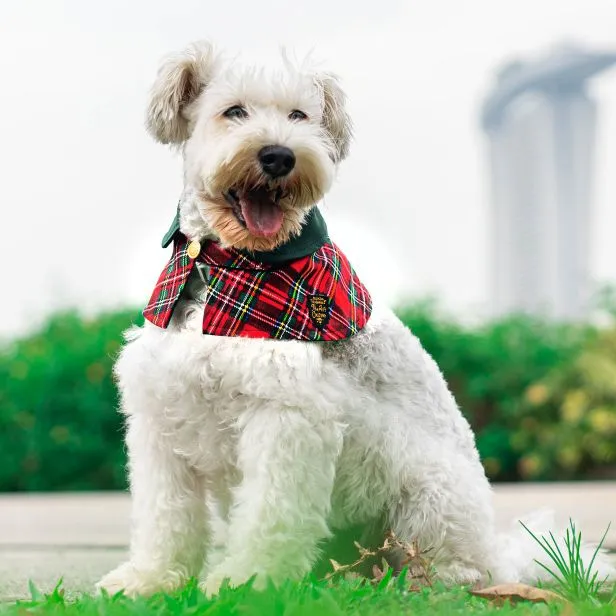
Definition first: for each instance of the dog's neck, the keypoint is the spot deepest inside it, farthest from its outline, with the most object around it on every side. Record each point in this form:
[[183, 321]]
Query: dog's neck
[[190, 223], [189, 219]]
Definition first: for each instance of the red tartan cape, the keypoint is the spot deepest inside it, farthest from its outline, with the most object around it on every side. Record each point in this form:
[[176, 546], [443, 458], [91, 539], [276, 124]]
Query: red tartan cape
[[317, 297]]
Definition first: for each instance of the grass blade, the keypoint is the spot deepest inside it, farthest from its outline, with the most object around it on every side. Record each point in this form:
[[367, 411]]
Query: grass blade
[[577, 580]]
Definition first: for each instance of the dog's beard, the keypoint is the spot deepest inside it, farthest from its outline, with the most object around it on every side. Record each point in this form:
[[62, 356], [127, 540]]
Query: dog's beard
[[251, 212], [231, 226]]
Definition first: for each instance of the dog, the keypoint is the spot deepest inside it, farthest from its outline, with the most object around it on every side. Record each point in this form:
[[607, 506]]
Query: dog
[[255, 434]]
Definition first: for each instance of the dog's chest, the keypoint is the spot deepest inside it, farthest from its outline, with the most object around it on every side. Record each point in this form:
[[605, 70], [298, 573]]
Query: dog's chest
[[207, 386], [207, 442]]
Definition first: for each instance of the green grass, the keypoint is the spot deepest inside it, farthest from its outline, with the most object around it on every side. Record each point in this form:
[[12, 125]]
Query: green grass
[[573, 579], [579, 591], [309, 598]]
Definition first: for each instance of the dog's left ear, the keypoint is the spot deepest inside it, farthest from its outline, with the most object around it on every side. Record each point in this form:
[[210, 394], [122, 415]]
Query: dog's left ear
[[180, 80], [336, 120]]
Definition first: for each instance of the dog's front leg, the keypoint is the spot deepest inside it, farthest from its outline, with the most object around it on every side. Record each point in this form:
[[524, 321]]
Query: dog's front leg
[[279, 516], [168, 516]]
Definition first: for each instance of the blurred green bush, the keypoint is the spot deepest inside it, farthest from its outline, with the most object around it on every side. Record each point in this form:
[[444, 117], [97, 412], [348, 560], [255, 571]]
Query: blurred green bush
[[59, 428], [541, 397]]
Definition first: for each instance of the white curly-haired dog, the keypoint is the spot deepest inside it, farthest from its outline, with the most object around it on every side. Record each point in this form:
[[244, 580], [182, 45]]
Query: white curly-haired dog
[[246, 453]]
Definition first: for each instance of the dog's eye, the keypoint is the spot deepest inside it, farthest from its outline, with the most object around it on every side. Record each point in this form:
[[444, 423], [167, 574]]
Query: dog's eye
[[296, 114], [237, 112]]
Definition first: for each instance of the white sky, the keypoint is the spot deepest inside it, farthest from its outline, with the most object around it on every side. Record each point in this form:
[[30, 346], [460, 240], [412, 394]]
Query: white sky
[[85, 195]]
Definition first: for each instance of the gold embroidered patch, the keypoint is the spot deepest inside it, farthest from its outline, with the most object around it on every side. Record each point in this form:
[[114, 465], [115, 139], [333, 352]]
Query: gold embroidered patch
[[318, 309]]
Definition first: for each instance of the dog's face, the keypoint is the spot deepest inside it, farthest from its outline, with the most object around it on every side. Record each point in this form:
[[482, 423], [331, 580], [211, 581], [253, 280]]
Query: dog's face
[[259, 150]]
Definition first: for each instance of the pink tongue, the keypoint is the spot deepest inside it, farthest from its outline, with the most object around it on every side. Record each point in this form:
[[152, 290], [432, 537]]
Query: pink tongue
[[263, 217]]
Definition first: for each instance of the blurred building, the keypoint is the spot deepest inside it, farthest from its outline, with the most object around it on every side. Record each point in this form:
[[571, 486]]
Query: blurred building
[[540, 122]]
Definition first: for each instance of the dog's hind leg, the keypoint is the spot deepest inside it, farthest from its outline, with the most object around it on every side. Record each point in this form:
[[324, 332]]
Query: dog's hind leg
[[287, 457], [168, 516], [445, 506]]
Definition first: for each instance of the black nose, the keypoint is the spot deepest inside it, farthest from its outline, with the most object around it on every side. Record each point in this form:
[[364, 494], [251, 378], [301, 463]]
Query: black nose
[[276, 160]]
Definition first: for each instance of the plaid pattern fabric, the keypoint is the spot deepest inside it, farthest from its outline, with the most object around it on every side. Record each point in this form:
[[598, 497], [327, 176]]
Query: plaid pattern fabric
[[170, 285], [315, 298]]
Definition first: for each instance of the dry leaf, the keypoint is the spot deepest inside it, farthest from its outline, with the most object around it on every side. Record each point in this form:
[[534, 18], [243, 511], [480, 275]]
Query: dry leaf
[[517, 592], [377, 574]]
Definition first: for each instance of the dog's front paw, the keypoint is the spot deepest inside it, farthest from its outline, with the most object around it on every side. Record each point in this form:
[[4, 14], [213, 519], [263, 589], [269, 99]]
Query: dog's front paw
[[138, 582]]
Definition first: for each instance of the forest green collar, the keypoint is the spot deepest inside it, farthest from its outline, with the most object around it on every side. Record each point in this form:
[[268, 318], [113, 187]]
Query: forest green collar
[[312, 236]]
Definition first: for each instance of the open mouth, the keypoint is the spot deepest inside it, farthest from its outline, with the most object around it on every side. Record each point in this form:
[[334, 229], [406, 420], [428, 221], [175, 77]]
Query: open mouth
[[257, 209]]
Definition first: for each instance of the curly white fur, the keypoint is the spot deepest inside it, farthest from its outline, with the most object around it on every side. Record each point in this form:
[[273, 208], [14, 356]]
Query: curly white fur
[[247, 454]]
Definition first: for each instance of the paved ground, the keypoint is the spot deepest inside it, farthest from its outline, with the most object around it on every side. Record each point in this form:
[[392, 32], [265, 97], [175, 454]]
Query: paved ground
[[80, 537]]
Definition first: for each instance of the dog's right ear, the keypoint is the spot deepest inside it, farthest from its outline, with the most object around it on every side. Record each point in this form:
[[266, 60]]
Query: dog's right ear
[[180, 80]]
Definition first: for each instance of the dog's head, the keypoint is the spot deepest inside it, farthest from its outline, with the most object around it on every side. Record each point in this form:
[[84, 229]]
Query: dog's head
[[259, 150]]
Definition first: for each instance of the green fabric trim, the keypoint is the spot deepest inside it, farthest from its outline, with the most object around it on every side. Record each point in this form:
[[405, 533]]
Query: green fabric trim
[[173, 229], [312, 236]]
